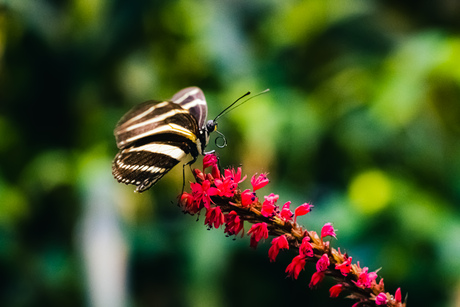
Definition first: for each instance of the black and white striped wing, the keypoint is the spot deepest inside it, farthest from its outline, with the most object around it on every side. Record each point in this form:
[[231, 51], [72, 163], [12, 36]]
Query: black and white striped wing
[[192, 99], [152, 120], [153, 137], [144, 165]]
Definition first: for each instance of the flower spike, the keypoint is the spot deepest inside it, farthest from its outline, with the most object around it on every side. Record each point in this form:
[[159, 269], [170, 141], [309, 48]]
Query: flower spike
[[226, 204]]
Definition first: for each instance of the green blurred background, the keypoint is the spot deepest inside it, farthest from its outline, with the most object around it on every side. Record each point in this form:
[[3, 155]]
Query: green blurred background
[[363, 120]]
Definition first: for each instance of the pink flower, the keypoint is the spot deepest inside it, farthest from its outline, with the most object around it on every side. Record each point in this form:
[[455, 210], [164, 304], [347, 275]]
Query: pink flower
[[398, 295], [233, 223], [267, 209], [259, 182], [302, 210], [235, 177], [323, 263], [381, 299], [297, 264], [248, 198], [225, 187], [199, 176], [344, 267], [286, 214], [316, 278], [277, 244], [365, 280], [305, 248], [214, 216], [209, 160], [272, 198], [372, 276], [203, 192], [335, 290], [188, 204], [327, 230], [268, 206], [215, 172], [257, 232]]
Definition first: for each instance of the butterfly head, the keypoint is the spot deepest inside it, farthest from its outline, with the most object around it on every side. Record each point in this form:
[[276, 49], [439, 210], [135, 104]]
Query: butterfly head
[[211, 126], [205, 133]]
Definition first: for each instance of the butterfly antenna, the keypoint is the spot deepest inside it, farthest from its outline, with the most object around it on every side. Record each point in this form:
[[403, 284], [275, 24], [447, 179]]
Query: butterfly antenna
[[233, 106], [222, 113]]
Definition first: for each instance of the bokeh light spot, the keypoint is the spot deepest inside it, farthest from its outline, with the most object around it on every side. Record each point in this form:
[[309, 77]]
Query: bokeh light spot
[[370, 191]]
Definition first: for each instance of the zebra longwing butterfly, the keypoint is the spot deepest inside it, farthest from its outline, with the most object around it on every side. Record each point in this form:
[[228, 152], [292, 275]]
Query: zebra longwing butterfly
[[156, 135]]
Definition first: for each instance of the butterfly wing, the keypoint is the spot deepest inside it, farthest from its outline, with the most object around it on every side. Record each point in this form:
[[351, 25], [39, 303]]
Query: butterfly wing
[[192, 99], [153, 137], [153, 118], [144, 165]]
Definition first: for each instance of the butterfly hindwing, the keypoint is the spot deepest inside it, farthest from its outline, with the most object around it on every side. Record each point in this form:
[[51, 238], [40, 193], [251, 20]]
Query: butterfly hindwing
[[144, 165]]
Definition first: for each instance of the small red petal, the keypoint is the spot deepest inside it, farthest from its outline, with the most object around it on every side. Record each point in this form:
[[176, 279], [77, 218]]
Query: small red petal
[[398, 295], [335, 290], [316, 278]]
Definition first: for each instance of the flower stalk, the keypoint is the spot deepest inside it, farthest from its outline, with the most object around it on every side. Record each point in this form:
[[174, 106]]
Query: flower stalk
[[225, 204]]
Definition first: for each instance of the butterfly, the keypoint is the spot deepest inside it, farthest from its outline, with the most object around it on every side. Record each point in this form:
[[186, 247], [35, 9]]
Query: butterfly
[[155, 136]]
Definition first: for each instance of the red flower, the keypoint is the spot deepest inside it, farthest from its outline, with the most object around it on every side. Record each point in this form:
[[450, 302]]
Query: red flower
[[323, 263], [316, 278], [235, 177], [344, 267], [248, 198], [272, 198], [226, 187], [233, 223], [302, 210], [366, 280], [268, 207], [209, 160], [297, 264], [335, 290], [277, 244], [257, 232], [305, 248], [199, 176], [381, 299], [286, 214], [259, 182], [398, 295], [327, 230], [188, 204], [203, 192], [215, 172], [214, 216]]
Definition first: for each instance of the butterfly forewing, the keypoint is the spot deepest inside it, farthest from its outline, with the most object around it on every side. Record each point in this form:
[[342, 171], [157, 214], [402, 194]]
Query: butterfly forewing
[[192, 99], [153, 118], [155, 136]]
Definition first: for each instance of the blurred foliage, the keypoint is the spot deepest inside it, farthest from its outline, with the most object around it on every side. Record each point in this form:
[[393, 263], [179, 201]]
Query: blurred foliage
[[363, 120]]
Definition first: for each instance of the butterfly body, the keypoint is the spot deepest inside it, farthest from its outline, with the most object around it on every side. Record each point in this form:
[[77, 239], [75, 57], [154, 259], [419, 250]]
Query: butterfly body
[[155, 136]]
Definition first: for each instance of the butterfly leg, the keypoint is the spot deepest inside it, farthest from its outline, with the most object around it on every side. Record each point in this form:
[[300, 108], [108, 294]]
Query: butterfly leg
[[183, 173]]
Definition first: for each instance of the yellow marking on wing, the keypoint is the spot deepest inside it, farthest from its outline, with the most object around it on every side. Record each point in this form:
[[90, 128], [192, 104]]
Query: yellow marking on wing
[[182, 131]]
